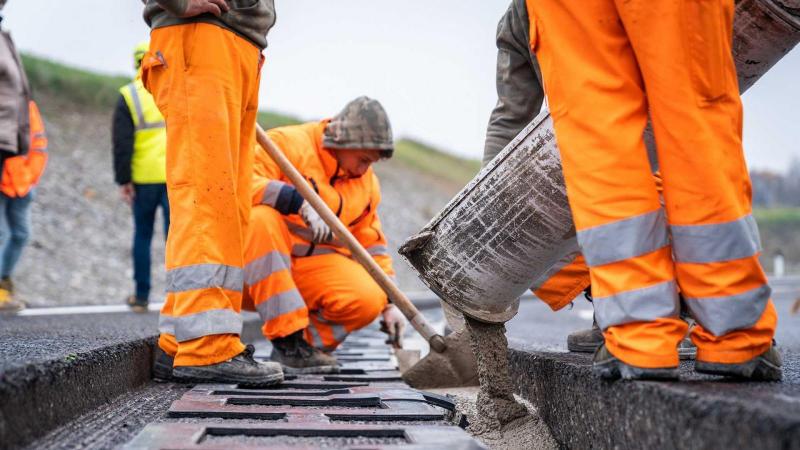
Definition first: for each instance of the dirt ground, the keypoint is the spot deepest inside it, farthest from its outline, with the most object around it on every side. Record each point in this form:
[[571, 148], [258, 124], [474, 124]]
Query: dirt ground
[[528, 432]]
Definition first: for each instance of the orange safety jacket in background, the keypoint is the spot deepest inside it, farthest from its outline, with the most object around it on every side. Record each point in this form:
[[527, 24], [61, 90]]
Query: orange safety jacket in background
[[289, 280], [22, 173]]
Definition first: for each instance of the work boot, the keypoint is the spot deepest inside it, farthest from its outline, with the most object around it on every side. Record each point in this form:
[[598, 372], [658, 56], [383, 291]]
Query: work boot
[[764, 367], [162, 365], [242, 369], [8, 304], [298, 356], [609, 367], [586, 341], [137, 304], [7, 284]]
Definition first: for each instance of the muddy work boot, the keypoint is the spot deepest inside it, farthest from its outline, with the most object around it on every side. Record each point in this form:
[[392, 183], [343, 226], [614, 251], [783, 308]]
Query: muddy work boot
[[137, 304], [298, 356], [609, 367], [764, 367], [586, 341], [162, 365], [242, 369]]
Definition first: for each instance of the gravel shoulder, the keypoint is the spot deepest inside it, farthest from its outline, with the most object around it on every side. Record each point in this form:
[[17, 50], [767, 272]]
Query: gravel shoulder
[[79, 252]]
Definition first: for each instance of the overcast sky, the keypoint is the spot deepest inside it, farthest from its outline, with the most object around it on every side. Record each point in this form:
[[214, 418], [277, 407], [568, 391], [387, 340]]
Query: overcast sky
[[431, 63]]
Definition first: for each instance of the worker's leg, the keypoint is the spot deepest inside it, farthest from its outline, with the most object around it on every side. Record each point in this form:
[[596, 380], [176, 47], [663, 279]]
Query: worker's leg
[[164, 203], [19, 225], [205, 91], [697, 120], [599, 111], [145, 203], [268, 276], [341, 295], [567, 281]]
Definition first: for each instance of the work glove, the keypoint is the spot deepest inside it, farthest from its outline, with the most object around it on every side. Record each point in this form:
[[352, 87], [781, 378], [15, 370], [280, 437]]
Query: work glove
[[393, 324], [320, 231]]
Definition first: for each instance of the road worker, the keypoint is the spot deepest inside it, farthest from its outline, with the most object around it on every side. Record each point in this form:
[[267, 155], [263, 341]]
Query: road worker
[[520, 99], [704, 240], [203, 70], [139, 138], [23, 156], [301, 280]]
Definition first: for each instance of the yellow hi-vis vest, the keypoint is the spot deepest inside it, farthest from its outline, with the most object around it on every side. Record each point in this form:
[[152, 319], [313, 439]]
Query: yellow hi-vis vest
[[149, 161]]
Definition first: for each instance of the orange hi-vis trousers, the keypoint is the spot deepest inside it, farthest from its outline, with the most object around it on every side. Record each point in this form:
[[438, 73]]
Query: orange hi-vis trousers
[[205, 81], [605, 63], [328, 295]]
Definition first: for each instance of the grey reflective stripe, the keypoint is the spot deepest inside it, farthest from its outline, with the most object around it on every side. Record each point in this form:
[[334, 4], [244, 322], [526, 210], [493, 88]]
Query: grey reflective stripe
[[303, 232], [166, 324], [207, 323], [205, 276], [555, 268], [142, 124], [315, 337], [721, 315], [265, 266], [376, 250], [280, 304], [716, 242], [271, 193], [638, 305], [624, 239], [302, 250], [339, 331]]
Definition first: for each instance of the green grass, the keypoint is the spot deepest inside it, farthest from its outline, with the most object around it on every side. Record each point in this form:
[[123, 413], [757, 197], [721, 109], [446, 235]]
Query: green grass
[[435, 162], [777, 216], [269, 119], [72, 84]]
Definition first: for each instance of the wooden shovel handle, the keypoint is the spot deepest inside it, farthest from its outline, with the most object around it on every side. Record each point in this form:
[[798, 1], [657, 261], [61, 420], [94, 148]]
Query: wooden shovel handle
[[395, 295]]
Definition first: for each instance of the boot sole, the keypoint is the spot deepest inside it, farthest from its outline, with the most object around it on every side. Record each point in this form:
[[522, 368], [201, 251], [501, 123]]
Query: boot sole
[[262, 381], [614, 370], [322, 370], [758, 369]]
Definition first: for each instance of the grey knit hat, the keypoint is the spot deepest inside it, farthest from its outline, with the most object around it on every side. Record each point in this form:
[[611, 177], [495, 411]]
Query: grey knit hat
[[362, 124]]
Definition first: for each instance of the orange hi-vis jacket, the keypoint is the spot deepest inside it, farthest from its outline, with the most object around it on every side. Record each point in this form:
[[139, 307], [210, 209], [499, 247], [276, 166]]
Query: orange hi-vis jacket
[[21, 173], [355, 200]]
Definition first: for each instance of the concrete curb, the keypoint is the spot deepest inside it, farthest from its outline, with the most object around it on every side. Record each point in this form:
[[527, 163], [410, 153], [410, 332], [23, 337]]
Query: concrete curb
[[39, 397], [584, 412]]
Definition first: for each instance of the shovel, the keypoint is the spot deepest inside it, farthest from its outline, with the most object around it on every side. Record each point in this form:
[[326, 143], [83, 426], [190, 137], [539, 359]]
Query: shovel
[[451, 358]]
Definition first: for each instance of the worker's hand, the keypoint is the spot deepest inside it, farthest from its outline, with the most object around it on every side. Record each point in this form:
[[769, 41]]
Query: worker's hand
[[197, 7], [393, 324], [127, 193], [320, 231]]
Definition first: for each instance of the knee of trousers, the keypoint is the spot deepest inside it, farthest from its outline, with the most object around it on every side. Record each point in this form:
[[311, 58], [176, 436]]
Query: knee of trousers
[[355, 313]]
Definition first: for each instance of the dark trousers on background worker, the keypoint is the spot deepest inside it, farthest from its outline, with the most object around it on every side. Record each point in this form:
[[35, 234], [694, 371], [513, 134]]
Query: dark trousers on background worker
[[148, 198]]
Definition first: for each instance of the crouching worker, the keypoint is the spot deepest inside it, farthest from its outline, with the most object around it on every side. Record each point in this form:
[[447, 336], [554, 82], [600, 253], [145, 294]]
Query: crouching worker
[[300, 279]]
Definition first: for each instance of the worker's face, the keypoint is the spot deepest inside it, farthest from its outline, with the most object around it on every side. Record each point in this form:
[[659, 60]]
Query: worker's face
[[355, 163]]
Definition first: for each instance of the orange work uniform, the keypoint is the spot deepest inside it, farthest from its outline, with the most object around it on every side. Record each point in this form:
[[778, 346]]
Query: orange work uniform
[[22, 173], [293, 283], [205, 81], [605, 63]]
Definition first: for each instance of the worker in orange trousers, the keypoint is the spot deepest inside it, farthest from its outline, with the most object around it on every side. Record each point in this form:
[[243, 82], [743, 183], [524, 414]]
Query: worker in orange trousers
[[603, 71], [203, 70], [303, 282]]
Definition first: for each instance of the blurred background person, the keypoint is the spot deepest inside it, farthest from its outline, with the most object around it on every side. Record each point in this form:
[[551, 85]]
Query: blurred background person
[[139, 138], [23, 156]]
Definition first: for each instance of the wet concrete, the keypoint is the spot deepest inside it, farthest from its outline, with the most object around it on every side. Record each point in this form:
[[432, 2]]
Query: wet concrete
[[496, 404]]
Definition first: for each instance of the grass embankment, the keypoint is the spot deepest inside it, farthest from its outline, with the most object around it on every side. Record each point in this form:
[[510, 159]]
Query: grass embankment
[[779, 228]]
